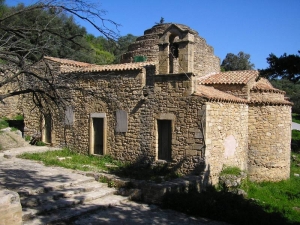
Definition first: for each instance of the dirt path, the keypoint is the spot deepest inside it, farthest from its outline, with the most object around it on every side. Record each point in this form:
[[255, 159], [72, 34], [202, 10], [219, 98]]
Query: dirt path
[[19, 174]]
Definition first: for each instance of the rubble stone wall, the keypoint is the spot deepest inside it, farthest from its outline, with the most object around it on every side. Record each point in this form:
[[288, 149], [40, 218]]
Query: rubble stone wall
[[263, 96], [269, 142], [169, 98], [226, 137]]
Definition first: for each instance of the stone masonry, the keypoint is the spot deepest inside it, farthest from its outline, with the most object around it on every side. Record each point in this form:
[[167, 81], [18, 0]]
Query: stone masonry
[[175, 108]]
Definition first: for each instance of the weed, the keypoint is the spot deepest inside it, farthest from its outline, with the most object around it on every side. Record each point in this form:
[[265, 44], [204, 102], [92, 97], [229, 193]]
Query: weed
[[27, 138]]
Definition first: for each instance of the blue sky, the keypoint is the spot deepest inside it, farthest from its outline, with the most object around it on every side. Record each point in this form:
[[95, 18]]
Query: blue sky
[[257, 27]]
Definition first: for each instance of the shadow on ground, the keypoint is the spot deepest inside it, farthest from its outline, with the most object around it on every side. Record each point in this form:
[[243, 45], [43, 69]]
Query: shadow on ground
[[222, 206]]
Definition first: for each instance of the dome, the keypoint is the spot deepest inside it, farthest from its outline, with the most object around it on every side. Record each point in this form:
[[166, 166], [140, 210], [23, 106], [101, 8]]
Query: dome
[[175, 48]]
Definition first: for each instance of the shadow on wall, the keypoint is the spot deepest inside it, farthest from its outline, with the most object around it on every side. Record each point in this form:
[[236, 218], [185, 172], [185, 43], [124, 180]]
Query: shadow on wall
[[144, 169]]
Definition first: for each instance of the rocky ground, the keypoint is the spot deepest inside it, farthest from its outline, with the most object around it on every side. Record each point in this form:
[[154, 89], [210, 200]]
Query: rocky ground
[[11, 139]]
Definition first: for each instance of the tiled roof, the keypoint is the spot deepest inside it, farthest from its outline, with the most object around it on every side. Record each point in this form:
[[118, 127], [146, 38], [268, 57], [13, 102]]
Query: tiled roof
[[68, 62], [213, 94], [113, 67], [230, 77], [271, 102], [264, 85]]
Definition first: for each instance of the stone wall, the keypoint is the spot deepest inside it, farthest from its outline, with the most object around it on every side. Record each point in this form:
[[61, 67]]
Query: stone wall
[[165, 97], [226, 137], [10, 208], [10, 107], [269, 142], [205, 62], [195, 55], [266, 96]]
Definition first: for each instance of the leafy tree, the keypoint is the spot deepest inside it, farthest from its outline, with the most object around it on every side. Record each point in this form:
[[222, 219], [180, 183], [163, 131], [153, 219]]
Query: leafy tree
[[233, 62], [285, 66], [292, 91], [99, 53], [47, 27], [121, 46]]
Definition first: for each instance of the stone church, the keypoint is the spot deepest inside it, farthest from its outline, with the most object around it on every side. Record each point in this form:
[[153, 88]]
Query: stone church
[[174, 107]]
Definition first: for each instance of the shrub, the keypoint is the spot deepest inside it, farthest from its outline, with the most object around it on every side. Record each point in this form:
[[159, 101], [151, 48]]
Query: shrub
[[40, 143]]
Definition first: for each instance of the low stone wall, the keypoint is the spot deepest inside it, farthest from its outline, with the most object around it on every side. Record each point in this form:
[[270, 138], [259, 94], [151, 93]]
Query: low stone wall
[[10, 208]]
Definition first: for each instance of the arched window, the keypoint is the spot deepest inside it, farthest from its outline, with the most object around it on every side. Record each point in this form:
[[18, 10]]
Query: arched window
[[173, 54]]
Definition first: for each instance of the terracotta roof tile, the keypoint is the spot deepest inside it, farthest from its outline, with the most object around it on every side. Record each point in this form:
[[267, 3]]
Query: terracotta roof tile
[[68, 62], [271, 102], [113, 67], [264, 85], [213, 94], [230, 77]]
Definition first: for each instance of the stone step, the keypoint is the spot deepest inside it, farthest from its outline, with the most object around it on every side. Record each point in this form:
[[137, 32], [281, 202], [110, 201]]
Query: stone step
[[38, 199], [52, 186], [51, 205], [64, 215]]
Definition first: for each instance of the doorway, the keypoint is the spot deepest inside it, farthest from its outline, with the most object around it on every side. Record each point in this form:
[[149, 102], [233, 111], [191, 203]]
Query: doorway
[[98, 135], [97, 144], [164, 139], [47, 129]]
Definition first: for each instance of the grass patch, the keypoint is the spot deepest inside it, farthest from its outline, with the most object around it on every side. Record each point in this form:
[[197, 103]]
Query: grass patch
[[103, 163], [3, 123], [296, 118], [40, 143], [231, 170], [72, 160], [18, 117], [267, 203], [282, 197]]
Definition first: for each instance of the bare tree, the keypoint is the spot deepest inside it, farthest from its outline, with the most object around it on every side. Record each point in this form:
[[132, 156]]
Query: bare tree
[[23, 46]]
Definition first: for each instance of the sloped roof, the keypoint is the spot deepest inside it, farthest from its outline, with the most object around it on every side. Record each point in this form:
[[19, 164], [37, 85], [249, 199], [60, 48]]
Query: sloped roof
[[264, 85], [68, 62], [81, 67], [230, 77], [113, 67], [270, 102], [213, 94]]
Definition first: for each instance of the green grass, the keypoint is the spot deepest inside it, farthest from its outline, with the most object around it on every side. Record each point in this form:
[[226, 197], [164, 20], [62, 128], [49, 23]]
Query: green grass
[[76, 161], [18, 117], [296, 118], [3, 123], [282, 197], [231, 170], [100, 163]]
